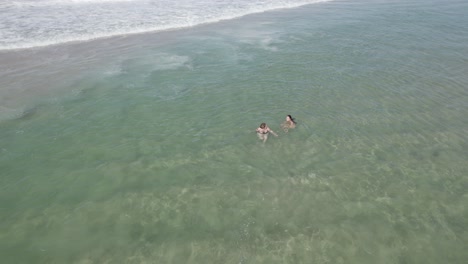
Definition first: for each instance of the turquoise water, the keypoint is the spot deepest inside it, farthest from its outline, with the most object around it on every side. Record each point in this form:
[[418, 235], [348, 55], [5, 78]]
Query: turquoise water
[[144, 151]]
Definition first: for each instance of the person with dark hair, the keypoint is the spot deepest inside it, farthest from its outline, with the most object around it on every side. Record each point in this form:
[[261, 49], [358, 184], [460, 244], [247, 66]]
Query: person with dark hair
[[263, 132], [289, 123]]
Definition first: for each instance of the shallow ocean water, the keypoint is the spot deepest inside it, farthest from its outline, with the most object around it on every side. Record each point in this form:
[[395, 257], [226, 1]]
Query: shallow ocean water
[[145, 152]]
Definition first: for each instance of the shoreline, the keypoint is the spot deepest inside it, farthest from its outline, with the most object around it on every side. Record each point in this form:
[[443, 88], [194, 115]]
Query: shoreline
[[153, 30]]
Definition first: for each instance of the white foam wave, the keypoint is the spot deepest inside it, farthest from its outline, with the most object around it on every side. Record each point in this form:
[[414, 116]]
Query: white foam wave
[[120, 17]]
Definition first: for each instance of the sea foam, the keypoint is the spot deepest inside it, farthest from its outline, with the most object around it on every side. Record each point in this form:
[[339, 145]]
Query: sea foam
[[28, 24]]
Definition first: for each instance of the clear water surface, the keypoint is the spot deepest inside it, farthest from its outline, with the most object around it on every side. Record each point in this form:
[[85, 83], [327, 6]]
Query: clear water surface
[[140, 149]]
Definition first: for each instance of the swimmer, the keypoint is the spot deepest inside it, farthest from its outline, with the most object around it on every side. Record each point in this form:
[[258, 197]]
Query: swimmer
[[263, 132], [289, 123]]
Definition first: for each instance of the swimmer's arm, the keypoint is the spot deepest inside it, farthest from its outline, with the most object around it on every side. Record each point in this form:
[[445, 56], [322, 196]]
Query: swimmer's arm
[[273, 132]]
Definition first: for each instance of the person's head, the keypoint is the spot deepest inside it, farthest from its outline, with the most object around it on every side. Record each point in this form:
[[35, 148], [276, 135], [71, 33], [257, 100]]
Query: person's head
[[290, 118], [262, 125]]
